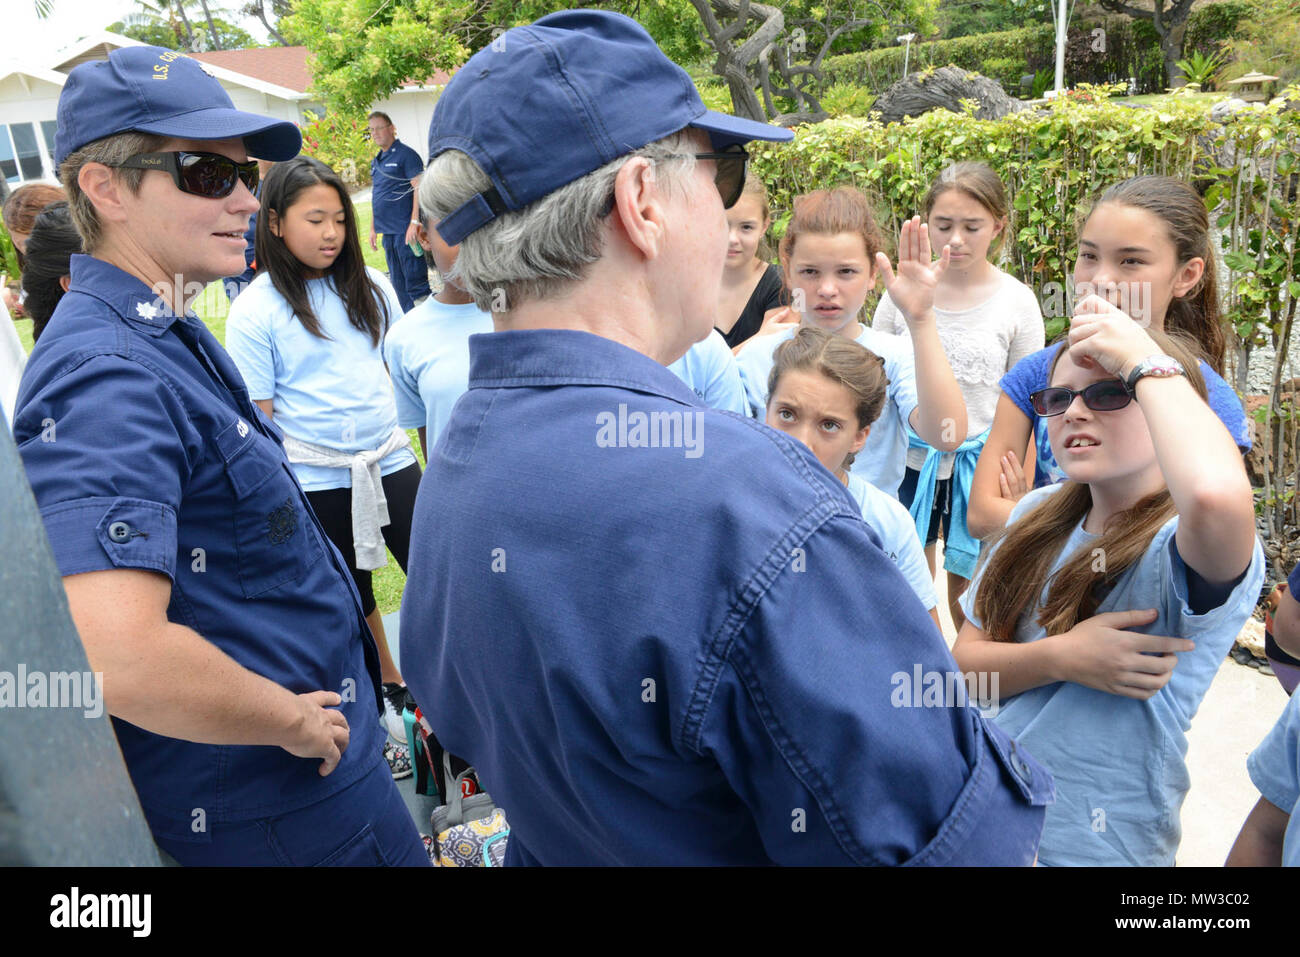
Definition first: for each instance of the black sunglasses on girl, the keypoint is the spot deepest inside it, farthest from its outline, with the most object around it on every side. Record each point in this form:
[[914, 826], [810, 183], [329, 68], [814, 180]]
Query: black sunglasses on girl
[[1108, 395], [209, 175]]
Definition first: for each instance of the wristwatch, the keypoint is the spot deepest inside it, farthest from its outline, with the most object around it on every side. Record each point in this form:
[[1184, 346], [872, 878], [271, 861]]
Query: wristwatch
[[1161, 366]]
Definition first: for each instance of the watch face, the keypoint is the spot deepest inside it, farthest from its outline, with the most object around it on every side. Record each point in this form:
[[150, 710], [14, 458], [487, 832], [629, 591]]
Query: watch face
[[1163, 366]]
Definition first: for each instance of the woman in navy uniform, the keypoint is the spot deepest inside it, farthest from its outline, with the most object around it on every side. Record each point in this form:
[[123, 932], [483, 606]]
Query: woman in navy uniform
[[243, 682]]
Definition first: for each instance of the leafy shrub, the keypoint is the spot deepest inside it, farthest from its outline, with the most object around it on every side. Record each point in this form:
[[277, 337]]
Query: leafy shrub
[[846, 99], [1200, 69], [1213, 23], [1007, 70], [339, 140]]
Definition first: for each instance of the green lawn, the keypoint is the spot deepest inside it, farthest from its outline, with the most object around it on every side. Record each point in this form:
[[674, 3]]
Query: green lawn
[[212, 307]]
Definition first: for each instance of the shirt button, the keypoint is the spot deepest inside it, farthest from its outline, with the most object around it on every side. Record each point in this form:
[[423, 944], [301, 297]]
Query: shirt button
[[1021, 767], [119, 532]]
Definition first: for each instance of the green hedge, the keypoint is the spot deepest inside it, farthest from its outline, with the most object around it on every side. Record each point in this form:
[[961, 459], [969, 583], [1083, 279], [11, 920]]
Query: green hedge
[[1213, 23], [1052, 163], [1127, 48]]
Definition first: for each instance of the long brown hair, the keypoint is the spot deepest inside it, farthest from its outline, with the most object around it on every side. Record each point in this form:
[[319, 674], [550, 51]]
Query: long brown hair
[[841, 360], [1016, 571], [1186, 222]]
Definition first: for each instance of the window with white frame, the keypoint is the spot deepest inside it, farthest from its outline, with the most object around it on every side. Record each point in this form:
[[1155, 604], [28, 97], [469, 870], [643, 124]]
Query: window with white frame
[[21, 157]]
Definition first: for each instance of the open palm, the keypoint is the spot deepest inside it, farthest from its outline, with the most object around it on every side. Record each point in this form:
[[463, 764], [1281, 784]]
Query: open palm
[[912, 287]]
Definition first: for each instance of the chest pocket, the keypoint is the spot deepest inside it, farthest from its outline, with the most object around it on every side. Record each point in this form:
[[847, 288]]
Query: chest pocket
[[274, 537]]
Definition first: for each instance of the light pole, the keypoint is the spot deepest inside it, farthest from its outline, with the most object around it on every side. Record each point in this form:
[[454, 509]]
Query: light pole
[[1062, 19], [906, 38]]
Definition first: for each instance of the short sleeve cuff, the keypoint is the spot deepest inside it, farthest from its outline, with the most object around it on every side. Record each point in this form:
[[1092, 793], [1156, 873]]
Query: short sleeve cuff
[[100, 534], [1188, 621], [1273, 764]]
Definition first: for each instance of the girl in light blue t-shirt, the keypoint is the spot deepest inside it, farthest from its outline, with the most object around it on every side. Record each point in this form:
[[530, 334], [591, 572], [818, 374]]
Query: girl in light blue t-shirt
[[1102, 612], [826, 391], [307, 335]]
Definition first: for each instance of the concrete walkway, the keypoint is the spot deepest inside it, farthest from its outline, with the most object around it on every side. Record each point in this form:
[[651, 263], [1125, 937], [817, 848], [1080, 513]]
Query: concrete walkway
[[1239, 709]]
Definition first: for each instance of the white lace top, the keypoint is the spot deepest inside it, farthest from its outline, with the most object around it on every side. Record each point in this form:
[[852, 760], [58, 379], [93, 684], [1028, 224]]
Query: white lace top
[[981, 343]]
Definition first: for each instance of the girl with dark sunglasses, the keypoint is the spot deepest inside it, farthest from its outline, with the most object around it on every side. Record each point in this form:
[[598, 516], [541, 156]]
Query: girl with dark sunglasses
[[307, 335], [1106, 606], [1145, 246]]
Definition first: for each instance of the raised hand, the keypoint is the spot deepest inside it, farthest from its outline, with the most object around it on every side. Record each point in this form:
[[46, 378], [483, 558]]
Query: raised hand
[[1012, 480], [1102, 335], [912, 287]]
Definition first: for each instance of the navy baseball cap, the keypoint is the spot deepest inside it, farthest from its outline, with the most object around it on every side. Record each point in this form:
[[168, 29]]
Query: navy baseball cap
[[155, 90], [547, 103]]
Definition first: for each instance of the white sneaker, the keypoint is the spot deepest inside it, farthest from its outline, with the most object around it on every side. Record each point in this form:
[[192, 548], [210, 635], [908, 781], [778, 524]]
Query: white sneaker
[[394, 702]]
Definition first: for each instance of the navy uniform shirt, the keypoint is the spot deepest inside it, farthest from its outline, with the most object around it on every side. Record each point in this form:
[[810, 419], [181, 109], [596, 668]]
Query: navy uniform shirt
[[144, 452], [664, 635], [391, 172]]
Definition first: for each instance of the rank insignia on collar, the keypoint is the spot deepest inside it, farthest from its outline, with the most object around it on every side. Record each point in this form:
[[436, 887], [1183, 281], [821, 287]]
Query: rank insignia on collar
[[147, 310]]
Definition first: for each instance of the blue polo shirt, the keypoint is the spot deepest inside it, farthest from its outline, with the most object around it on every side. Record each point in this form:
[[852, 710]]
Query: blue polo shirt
[[663, 634], [391, 172], [144, 451]]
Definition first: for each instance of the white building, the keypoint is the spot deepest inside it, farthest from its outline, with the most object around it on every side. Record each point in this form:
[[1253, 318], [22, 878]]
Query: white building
[[273, 81]]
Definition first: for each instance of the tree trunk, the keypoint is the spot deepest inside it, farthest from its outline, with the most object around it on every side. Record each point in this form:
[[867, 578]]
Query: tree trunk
[[185, 21], [1171, 46], [257, 8], [734, 63], [212, 27]]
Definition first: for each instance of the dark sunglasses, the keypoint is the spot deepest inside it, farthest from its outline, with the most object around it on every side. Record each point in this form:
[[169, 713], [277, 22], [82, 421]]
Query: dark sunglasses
[[729, 176], [210, 175], [1105, 396]]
